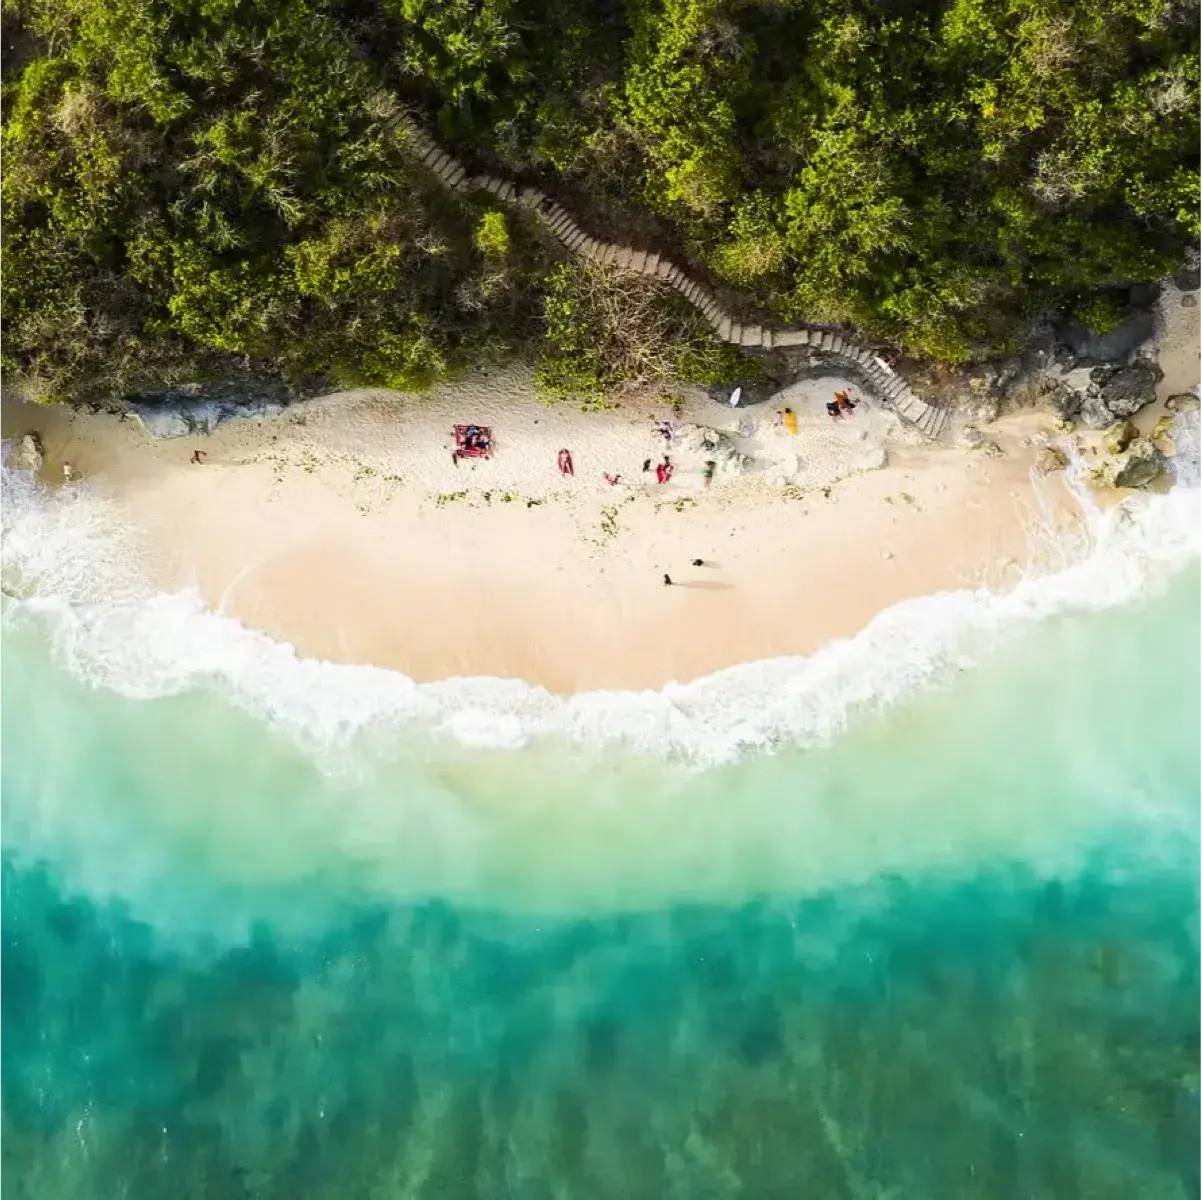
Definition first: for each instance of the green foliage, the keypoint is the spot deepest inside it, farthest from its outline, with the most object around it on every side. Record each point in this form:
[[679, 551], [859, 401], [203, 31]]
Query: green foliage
[[1100, 314], [192, 183], [491, 234], [687, 72]]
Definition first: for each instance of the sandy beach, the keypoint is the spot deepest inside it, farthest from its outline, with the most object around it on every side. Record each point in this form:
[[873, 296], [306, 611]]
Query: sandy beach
[[346, 528]]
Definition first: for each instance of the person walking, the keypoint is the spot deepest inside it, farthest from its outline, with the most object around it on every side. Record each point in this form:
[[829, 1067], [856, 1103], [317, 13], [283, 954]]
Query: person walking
[[667, 580]]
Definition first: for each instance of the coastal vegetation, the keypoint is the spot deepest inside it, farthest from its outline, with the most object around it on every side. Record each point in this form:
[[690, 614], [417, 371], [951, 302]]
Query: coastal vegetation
[[194, 186]]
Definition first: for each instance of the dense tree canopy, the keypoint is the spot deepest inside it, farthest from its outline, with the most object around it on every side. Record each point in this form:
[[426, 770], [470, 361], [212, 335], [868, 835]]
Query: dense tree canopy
[[189, 182]]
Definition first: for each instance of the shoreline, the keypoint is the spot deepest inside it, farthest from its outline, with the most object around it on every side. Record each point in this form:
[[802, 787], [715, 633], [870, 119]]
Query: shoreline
[[345, 530]]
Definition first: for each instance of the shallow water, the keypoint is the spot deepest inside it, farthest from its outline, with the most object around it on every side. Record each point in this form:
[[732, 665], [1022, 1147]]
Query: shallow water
[[279, 929]]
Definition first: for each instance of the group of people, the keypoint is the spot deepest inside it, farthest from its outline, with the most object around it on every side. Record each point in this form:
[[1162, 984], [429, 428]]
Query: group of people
[[663, 469], [838, 408], [842, 405], [474, 438], [697, 562]]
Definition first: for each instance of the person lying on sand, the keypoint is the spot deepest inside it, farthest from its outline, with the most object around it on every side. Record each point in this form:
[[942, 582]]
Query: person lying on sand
[[832, 408], [845, 402]]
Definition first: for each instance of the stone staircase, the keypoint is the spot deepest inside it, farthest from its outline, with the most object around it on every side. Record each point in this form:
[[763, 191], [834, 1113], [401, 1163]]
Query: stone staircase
[[878, 377]]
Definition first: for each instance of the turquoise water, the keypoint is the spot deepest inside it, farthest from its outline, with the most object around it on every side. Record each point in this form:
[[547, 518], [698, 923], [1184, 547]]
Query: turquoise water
[[952, 952]]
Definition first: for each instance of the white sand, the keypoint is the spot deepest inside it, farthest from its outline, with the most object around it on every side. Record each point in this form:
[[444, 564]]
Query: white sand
[[1177, 342], [345, 528]]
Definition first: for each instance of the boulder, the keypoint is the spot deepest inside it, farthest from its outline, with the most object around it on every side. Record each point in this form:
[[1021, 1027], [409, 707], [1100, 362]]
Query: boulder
[[1182, 402], [1118, 437], [973, 439], [1143, 464], [984, 410], [1094, 414], [1162, 435], [1131, 388], [161, 421], [29, 454], [1099, 394], [1050, 459]]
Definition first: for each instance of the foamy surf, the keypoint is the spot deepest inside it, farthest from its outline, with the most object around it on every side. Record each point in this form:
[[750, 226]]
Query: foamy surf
[[70, 562]]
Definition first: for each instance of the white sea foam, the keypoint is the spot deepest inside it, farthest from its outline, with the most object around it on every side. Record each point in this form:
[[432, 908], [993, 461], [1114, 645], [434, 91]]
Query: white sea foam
[[70, 562]]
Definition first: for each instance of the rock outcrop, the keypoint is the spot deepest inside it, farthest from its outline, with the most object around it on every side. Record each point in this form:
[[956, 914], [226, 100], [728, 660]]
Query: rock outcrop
[[1141, 465], [1118, 437], [198, 408], [1050, 459], [182, 416], [973, 439], [28, 455], [1099, 396]]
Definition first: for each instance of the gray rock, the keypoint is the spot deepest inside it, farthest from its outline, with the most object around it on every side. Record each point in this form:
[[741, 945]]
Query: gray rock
[[1189, 300], [1050, 459], [182, 416], [974, 439], [1188, 279], [985, 410], [29, 454], [1182, 402], [161, 421], [1131, 388], [1143, 464], [1094, 414]]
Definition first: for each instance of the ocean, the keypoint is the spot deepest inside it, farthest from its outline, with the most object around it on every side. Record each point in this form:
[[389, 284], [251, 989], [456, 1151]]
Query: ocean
[[915, 917]]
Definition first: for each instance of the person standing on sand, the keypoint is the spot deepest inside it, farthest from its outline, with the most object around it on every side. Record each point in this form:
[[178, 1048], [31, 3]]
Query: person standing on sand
[[198, 456], [710, 467], [667, 581], [68, 471]]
